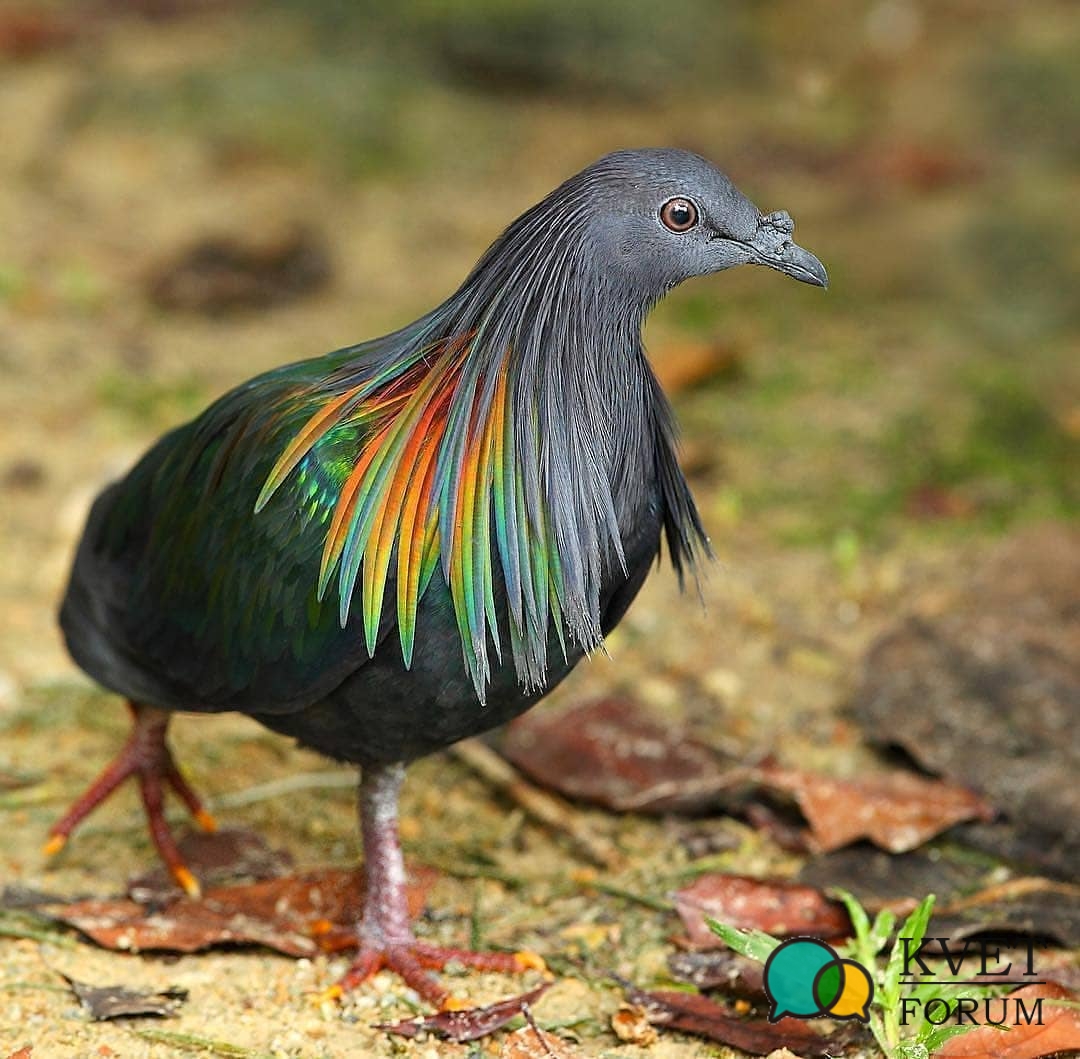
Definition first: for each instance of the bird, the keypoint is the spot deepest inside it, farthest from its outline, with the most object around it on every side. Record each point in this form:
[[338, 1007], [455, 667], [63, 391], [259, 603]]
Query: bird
[[409, 541]]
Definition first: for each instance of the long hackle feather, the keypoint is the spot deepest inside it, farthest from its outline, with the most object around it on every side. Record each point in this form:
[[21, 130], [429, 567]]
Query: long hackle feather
[[493, 445]]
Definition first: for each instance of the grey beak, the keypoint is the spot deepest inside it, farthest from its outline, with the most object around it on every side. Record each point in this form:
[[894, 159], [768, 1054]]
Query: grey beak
[[772, 246]]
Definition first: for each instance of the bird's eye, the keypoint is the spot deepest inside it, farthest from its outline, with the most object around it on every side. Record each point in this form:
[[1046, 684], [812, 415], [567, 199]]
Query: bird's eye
[[680, 215]]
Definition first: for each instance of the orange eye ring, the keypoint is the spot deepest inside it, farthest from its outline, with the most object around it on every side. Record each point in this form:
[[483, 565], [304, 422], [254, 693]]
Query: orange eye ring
[[679, 214]]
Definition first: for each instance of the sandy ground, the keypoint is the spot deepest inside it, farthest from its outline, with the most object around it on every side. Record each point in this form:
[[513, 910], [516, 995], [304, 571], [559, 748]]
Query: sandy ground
[[91, 373]]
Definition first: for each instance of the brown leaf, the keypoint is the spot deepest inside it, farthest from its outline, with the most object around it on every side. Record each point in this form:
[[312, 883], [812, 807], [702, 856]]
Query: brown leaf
[[531, 1042], [610, 753], [22, 1053], [117, 1002], [471, 1024], [1026, 906], [684, 365], [216, 858], [722, 969], [897, 811], [930, 501], [779, 908], [26, 34], [918, 166], [221, 274], [896, 880], [1059, 1032], [696, 1014], [299, 915]]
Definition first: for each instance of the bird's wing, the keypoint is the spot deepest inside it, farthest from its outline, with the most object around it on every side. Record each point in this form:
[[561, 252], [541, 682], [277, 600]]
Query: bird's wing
[[438, 485], [213, 605]]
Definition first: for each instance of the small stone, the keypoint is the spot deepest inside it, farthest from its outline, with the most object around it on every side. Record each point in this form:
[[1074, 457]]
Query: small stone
[[631, 1025]]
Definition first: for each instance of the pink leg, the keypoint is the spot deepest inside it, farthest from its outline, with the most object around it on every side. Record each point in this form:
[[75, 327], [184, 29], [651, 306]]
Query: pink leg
[[386, 937], [146, 755]]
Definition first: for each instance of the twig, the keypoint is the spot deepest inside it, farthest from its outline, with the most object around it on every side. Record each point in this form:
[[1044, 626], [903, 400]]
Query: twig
[[190, 1042], [657, 904], [546, 808], [303, 781]]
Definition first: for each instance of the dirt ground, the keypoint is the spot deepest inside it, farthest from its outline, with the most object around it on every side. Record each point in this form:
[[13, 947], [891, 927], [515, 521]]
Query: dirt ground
[[855, 450]]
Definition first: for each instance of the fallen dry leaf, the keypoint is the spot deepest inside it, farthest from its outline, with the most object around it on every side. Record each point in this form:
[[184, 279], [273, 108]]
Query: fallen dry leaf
[[26, 34], [779, 908], [696, 1014], [721, 969], [1037, 908], [1058, 1034], [897, 811], [216, 858], [531, 1042], [299, 915], [117, 1002], [919, 166], [22, 1053], [222, 274], [930, 501], [879, 879], [610, 753], [684, 365], [470, 1024]]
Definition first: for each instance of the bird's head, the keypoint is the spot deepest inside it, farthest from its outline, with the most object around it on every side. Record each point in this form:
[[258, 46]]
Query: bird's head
[[594, 255], [661, 216]]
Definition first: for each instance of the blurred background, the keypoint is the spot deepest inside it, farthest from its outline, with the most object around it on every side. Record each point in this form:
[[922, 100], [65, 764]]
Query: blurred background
[[193, 191]]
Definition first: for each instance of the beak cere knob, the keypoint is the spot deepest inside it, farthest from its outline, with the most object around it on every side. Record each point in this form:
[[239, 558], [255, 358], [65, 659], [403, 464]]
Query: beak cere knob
[[772, 245]]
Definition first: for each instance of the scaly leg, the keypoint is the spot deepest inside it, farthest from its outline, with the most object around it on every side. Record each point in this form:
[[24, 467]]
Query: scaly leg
[[386, 938], [146, 755]]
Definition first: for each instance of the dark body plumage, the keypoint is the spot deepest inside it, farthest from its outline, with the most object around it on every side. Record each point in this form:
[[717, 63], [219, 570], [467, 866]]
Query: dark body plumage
[[224, 616], [409, 541]]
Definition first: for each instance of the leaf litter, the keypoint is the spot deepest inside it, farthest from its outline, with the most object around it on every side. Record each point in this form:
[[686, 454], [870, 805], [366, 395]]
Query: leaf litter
[[118, 1002], [699, 1015], [611, 753], [781, 908], [469, 1024], [297, 914], [1059, 1032]]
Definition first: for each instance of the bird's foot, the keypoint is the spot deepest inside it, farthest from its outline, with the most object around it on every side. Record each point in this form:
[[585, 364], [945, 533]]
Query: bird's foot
[[413, 961], [146, 756]]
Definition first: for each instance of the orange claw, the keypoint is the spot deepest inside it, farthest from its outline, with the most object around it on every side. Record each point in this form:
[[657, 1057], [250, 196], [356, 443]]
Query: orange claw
[[186, 881], [335, 992], [145, 757], [54, 845], [531, 961]]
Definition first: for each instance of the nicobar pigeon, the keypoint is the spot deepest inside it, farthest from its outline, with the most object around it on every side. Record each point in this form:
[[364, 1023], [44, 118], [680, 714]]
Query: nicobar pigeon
[[409, 541]]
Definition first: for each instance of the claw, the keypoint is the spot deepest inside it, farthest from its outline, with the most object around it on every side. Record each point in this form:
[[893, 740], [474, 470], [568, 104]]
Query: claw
[[147, 758], [54, 845], [328, 996], [186, 881], [531, 961]]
